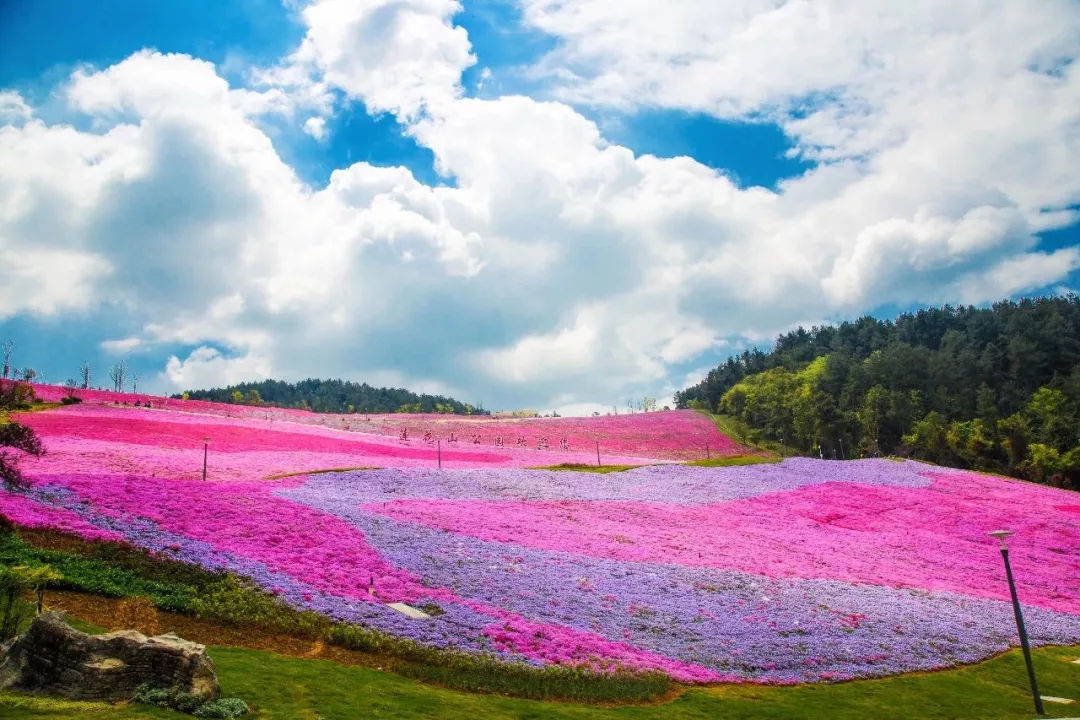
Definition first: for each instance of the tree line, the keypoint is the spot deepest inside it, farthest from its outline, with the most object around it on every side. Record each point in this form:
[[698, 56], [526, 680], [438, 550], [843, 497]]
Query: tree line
[[995, 389], [333, 396]]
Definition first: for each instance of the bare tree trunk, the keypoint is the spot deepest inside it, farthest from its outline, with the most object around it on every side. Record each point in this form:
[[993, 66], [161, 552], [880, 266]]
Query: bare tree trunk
[[7, 348], [118, 375]]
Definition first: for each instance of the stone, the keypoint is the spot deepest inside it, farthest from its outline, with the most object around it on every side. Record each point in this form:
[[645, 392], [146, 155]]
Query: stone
[[52, 657], [409, 611], [1059, 700]]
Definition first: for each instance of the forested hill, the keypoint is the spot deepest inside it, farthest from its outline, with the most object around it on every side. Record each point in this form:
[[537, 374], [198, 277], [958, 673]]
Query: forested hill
[[988, 388], [333, 396]]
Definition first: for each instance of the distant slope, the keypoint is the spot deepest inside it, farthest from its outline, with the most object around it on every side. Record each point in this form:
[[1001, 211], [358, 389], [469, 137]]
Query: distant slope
[[663, 435], [333, 396], [994, 389]]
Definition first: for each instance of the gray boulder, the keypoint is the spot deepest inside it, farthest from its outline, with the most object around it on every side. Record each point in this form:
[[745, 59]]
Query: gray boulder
[[52, 657]]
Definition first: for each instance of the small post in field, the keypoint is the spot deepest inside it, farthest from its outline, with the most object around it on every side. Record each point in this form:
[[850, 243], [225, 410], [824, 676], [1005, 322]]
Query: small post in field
[[440, 453], [597, 453]]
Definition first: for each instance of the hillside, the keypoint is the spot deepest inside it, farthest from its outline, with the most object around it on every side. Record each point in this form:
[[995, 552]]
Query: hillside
[[792, 572], [993, 389], [332, 396], [620, 439]]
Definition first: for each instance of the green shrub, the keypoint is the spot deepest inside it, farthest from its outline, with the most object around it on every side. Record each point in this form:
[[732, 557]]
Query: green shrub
[[14, 583], [15, 612], [190, 703], [16, 395], [223, 708], [186, 702], [149, 694]]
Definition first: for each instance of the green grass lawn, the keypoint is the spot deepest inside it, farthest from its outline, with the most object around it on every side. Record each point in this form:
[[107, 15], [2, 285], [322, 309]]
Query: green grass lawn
[[287, 689]]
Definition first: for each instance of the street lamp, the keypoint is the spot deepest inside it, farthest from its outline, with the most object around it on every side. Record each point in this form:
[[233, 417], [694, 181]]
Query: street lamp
[[1001, 535], [205, 449]]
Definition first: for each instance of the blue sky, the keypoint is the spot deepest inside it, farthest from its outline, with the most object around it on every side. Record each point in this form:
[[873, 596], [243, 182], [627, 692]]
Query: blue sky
[[42, 42], [540, 204]]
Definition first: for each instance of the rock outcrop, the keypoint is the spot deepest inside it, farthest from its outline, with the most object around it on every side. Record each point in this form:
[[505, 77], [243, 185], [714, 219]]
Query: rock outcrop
[[52, 657]]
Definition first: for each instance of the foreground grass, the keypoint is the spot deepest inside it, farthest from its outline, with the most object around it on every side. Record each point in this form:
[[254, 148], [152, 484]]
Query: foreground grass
[[418, 686], [288, 688], [17, 705]]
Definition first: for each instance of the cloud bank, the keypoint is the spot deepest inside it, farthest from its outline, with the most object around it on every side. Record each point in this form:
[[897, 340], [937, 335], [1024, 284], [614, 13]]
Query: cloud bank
[[553, 268]]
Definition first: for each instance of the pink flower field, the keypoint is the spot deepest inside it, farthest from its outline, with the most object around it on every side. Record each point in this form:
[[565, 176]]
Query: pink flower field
[[158, 442], [669, 435], [800, 571]]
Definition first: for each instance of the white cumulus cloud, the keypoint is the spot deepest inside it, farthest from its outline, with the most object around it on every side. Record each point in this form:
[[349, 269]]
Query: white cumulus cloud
[[558, 269], [207, 367]]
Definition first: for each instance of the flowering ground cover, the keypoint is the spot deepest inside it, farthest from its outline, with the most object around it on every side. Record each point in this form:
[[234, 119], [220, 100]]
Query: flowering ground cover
[[90, 396], [169, 443], [666, 435], [800, 571], [669, 435]]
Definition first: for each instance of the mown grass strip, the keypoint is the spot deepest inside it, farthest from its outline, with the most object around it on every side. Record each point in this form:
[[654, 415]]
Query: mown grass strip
[[583, 467], [320, 472], [735, 461]]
